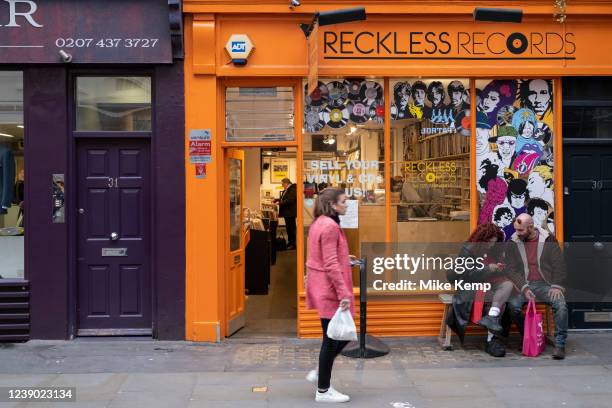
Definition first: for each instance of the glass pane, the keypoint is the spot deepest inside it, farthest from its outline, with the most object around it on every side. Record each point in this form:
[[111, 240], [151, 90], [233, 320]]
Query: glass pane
[[430, 180], [514, 152], [587, 122], [587, 88], [11, 175], [235, 203], [259, 114], [343, 143], [113, 104]]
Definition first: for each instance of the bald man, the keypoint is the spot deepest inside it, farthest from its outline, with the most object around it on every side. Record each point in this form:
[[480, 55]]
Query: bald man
[[536, 267]]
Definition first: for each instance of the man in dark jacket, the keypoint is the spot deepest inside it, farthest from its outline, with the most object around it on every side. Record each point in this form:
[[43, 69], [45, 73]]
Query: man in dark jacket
[[288, 210], [537, 268]]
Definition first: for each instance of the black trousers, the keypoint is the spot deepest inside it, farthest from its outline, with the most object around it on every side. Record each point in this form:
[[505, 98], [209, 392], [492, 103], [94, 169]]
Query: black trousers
[[329, 351], [290, 225]]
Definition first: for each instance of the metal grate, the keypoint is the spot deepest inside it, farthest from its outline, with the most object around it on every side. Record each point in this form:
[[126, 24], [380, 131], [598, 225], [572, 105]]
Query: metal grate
[[14, 310], [259, 114]]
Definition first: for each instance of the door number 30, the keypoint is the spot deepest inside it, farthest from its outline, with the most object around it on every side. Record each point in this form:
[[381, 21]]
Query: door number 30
[[113, 182]]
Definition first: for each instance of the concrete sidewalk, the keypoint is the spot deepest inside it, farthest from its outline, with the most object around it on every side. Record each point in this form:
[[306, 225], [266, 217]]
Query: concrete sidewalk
[[270, 373]]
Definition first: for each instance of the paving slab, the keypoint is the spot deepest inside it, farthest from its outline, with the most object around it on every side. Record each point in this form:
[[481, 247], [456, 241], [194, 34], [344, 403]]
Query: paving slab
[[149, 399]]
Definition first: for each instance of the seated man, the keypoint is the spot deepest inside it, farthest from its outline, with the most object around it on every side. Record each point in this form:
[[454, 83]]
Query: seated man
[[536, 266]]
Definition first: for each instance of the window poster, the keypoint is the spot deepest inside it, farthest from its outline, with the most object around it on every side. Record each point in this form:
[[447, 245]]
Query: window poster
[[514, 157], [280, 170], [350, 220]]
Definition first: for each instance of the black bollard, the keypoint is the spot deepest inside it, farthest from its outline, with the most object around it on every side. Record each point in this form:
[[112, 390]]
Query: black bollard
[[367, 346]]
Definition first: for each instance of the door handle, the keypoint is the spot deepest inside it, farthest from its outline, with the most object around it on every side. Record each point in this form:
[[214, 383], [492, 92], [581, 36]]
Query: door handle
[[598, 246], [114, 236]]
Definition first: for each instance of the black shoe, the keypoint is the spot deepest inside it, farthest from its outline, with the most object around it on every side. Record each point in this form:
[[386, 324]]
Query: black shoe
[[491, 323], [496, 347], [290, 246], [558, 353]]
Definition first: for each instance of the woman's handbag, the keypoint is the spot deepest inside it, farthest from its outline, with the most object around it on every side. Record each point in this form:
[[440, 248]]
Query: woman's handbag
[[342, 326], [533, 338]]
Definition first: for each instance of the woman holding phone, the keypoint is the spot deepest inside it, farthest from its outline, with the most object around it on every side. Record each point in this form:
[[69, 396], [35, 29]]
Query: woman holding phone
[[467, 304], [329, 283]]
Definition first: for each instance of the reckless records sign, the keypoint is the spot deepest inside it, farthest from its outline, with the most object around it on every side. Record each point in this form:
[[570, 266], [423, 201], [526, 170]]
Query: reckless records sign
[[458, 44], [91, 31]]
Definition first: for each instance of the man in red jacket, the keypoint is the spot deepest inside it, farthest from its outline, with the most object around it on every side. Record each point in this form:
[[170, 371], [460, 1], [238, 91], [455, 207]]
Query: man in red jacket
[[537, 268]]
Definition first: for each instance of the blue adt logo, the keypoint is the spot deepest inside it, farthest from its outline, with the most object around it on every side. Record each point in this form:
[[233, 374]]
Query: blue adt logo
[[238, 46]]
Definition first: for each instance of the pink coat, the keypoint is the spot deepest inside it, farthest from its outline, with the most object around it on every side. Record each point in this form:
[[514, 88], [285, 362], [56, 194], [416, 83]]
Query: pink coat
[[329, 278]]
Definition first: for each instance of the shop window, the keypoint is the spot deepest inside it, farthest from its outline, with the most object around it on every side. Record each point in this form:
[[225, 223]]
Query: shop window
[[259, 114], [343, 145], [11, 175], [113, 104], [587, 108], [514, 152], [430, 180]]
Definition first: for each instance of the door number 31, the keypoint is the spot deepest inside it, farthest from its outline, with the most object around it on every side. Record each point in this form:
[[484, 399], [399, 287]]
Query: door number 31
[[113, 182]]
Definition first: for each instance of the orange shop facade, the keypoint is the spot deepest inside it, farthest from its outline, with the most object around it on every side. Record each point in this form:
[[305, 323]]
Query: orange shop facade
[[430, 121]]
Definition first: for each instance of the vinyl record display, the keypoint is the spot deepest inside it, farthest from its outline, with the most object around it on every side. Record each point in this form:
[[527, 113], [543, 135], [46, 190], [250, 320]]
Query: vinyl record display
[[504, 115], [358, 112], [353, 86], [463, 122], [313, 119], [337, 94], [542, 133], [370, 92], [336, 118], [318, 97]]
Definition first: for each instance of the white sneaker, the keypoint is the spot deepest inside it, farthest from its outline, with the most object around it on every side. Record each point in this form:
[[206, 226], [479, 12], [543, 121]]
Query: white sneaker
[[331, 396], [312, 376]]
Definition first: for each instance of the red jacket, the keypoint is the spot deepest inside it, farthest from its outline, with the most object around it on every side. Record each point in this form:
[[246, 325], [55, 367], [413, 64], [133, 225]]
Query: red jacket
[[329, 278]]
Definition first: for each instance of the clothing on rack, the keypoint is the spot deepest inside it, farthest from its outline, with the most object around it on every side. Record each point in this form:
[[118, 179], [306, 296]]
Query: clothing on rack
[[7, 179]]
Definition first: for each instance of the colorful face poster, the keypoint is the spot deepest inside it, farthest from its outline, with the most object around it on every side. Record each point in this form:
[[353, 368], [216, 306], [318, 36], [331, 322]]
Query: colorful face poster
[[514, 152]]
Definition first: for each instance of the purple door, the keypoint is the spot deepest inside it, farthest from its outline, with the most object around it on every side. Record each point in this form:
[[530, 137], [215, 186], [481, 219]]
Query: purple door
[[113, 207]]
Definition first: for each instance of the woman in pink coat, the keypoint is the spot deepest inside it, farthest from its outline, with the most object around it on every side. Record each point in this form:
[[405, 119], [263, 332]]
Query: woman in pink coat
[[329, 283]]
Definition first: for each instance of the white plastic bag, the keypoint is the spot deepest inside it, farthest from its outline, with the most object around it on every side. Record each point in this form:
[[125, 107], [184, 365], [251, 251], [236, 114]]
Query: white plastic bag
[[342, 326]]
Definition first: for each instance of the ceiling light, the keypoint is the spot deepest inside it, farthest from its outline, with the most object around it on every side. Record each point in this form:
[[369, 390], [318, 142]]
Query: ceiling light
[[5, 135]]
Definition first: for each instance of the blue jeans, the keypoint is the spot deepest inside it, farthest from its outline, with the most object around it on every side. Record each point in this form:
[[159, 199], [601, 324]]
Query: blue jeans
[[540, 289]]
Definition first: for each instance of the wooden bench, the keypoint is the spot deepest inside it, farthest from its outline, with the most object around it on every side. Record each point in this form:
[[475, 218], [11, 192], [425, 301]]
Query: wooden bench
[[444, 338]]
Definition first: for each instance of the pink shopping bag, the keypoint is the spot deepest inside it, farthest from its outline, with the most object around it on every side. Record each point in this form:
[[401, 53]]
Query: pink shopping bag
[[533, 338]]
